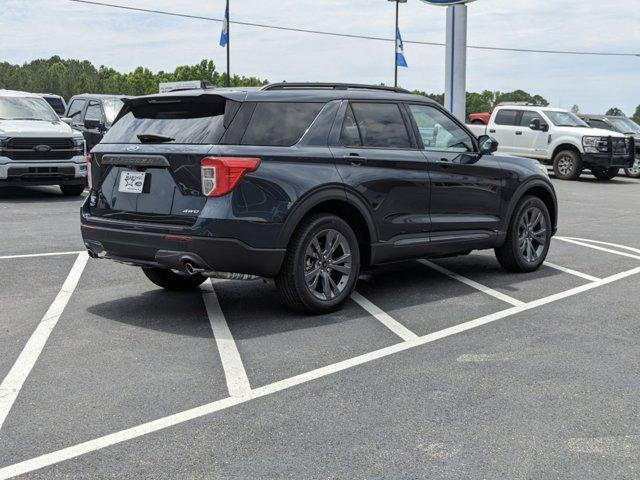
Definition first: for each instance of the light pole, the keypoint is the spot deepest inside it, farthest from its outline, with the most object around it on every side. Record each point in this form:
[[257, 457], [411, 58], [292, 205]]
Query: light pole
[[395, 35]]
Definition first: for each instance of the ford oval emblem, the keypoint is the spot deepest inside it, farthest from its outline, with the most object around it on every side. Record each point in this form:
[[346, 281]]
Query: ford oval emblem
[[133, 148], [42, 148]]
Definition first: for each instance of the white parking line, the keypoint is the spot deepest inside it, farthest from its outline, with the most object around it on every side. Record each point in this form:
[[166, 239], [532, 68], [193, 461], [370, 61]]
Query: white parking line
[[11, 385], [32, 255], [596, 247], [624, 247], [575, 273], [179, 418], [236, 376], [383, 317], [471, 283]]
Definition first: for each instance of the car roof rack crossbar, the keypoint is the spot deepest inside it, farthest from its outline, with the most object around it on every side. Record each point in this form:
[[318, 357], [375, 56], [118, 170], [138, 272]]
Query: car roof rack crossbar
[[330, 86]]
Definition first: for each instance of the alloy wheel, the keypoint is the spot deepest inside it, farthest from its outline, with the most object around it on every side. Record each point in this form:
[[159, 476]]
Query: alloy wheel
[[565, 165], [532, 234], [328, 264]]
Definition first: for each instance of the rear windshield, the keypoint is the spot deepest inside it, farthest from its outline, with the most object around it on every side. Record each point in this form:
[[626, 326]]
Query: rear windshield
[[198, 120], [57, 104]]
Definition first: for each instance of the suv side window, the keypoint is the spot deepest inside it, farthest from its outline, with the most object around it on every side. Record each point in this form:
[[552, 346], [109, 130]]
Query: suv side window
[[94, 112], [75, 109], [507, 117], [280, 124], [439, 132], [381, 125], [350, 136]]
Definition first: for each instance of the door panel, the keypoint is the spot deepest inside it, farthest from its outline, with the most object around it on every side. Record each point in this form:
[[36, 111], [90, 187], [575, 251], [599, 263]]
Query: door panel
[[465, 186]]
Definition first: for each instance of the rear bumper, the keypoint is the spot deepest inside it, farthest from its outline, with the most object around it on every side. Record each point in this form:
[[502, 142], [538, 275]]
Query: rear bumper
[[172, 251]]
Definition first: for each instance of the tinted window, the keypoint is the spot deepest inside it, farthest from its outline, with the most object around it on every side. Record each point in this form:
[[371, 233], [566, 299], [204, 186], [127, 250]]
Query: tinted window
[[76, 108], [94, 112], [381, 125], [56, 103], [439, 132], [280, 124], [528, 117], [350, 136], [507, 117], [599, 124], [185, 120]]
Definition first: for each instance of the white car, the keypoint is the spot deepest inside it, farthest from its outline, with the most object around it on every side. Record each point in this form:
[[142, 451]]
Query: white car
[[559, 138], [36, 147]]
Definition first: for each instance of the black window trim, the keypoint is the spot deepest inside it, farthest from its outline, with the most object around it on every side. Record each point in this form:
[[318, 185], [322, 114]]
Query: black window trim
[[447, 114], [410, 133]]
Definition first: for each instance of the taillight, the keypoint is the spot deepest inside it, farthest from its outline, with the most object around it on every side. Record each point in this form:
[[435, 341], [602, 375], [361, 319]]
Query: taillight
[[220, 175], [89, 180]]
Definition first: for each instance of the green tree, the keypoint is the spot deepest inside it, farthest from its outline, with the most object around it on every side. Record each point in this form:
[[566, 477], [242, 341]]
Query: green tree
[[636, 116], [575, 109], [615, 112]]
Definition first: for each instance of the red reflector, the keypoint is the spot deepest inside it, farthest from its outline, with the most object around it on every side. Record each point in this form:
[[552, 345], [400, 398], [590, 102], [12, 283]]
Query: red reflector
[[87, 227], [177, 238], [220, 175]]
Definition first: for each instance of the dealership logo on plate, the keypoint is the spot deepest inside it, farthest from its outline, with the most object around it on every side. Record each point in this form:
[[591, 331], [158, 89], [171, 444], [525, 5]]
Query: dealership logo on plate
[[132, 148]]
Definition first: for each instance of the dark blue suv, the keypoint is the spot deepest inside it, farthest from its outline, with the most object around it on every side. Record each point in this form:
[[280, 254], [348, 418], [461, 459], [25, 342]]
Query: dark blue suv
[[307, 184]]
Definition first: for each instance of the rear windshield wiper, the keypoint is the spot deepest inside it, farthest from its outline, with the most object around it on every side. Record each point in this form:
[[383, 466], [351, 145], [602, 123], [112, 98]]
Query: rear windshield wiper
[[153, 138]]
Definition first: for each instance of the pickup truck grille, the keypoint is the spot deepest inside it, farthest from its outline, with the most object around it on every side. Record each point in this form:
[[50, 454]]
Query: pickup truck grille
[[39, 149]]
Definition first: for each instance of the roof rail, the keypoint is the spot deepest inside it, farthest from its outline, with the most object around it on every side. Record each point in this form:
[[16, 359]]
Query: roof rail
[[331, 86], [521, 104]]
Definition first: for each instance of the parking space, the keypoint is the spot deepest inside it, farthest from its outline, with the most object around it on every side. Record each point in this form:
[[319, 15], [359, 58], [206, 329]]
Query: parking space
[[431, 364]]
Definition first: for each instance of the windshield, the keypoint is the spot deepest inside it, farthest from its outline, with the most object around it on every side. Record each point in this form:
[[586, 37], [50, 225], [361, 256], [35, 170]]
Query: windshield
[[26, 108], [565, 119], [112, 108], [625, 125]]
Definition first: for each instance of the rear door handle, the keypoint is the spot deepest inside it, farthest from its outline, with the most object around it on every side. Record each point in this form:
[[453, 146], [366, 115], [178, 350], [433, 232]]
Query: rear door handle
[[492, 130], [355, 159], [518, 133]]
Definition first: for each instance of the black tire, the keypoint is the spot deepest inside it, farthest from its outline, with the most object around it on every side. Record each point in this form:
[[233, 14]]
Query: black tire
[[633, 172], [171, 280], [605, 174], [567, 165], [511, 255], [72, 190], [318, 264]]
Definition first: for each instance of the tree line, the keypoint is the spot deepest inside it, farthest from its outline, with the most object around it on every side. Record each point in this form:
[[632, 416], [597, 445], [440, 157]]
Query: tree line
[[68, 77]]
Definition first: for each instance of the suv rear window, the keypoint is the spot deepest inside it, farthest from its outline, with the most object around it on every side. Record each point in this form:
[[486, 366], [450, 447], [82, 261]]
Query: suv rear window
[[280, 124], [198, 120]]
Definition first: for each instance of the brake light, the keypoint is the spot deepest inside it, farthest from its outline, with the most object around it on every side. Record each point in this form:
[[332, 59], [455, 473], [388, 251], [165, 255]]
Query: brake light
[[89, 180], [220, 175]]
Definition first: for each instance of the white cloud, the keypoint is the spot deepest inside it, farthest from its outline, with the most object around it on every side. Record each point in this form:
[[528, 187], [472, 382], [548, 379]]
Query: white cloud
[[121, 39]]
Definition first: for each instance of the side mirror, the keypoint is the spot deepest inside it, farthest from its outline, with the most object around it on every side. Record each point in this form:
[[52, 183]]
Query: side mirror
[[91, 124], [537, 125], [67, 120], [488, 145]]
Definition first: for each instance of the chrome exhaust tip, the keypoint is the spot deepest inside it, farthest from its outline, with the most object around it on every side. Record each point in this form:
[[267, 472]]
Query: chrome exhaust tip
[[192, 269], [91, 253]]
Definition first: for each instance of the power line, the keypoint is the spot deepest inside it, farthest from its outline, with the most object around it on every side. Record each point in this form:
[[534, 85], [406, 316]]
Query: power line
[[348, 35]]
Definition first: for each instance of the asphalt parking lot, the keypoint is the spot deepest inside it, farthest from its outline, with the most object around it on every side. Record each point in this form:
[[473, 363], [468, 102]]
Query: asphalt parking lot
[[444, 369]]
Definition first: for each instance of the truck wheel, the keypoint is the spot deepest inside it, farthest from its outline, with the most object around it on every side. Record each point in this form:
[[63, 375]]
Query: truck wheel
[[321, 265], [633, 172], [170, 280], [72, 190], [605, 173], [567, 165], [528, 237]]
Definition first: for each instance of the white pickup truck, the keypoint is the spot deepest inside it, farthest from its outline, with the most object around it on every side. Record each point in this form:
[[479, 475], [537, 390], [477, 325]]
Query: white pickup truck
[[559, 138], [36, 147]]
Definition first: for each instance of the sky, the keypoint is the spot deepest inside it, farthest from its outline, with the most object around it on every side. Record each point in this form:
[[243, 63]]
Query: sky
[[31, 29]]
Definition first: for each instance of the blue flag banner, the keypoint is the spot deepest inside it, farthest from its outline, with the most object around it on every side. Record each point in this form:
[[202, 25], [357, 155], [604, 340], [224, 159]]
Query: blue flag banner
[[224, 36], [402, 62]]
